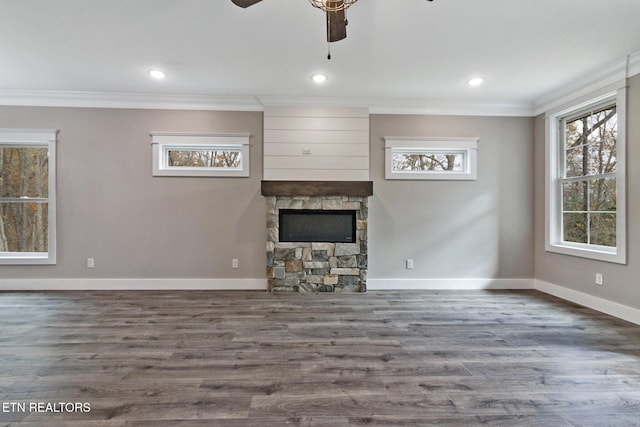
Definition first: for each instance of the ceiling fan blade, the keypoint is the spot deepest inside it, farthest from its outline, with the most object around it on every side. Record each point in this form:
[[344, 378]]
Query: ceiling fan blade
[[245, 3], [336, 26]]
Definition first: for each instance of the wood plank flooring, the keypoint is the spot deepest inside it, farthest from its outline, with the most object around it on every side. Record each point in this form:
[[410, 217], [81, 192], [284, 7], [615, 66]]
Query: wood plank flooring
[[198, 358]]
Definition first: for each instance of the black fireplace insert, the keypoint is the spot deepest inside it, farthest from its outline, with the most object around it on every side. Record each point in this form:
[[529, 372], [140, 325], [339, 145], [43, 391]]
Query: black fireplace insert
[[309, 225]]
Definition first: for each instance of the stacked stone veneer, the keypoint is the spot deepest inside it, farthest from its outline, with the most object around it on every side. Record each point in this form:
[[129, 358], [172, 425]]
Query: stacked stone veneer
[[317, 267]]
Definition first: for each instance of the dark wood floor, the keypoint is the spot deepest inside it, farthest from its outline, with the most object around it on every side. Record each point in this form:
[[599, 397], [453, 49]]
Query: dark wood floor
[[197, 358]]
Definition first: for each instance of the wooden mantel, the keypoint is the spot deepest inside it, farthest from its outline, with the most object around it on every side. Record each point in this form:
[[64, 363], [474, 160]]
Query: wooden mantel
[[317, 188]]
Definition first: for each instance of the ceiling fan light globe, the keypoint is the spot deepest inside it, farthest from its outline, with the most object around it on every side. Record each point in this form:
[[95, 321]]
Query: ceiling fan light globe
[[332, 5]]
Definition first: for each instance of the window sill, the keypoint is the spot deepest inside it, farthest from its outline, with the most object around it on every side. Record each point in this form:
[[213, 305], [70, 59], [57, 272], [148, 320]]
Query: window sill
[[26, 258], [598, 253]]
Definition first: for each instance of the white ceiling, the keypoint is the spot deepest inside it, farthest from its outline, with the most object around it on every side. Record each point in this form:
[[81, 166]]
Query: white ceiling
[[400, 52]]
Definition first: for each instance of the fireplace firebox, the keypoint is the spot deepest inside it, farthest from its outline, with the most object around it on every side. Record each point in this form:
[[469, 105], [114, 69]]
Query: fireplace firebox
[[313, 225]]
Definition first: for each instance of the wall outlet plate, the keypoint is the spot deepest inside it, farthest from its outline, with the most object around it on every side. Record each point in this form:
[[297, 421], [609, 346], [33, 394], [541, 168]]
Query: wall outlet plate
[[599, 279]]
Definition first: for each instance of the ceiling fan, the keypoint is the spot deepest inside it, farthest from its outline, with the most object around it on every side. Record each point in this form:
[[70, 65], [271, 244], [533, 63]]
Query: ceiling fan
[[334, 9]]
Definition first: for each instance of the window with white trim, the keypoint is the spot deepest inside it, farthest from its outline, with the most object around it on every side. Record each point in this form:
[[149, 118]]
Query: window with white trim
[[200, 154], [27, 196], [431, 158], [586, 178]]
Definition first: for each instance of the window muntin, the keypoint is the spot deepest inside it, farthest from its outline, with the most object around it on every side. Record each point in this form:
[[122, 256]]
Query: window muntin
[[431, 158], [27, 197], [201, 155], [586, 194]]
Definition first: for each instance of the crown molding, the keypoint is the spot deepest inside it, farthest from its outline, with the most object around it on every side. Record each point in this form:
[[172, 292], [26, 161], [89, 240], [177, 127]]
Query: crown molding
[[37, 98], [49, 98], [450, 107], [301, 101], [409, 106], [614, 73]]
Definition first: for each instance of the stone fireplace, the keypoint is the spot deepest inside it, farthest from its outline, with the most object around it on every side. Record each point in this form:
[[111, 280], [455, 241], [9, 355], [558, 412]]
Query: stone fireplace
[[322, 266]]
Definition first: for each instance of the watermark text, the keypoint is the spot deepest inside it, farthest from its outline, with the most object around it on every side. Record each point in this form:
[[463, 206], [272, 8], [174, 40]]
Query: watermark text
[[44, 407]]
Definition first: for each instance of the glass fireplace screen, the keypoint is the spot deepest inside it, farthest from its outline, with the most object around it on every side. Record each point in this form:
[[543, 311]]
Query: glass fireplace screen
[[306, 225]]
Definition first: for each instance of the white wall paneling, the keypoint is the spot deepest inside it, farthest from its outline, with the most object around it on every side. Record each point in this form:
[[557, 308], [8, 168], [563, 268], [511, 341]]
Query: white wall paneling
[[326, 149], [316, 143], [316, 162], [315, 175]]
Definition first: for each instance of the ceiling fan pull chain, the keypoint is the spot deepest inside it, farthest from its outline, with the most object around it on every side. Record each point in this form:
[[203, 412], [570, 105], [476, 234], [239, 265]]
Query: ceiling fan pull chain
[[329, 51]]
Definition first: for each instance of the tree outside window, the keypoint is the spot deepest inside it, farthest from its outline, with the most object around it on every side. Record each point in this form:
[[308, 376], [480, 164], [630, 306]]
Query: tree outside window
[[27, 196], [589, 183]]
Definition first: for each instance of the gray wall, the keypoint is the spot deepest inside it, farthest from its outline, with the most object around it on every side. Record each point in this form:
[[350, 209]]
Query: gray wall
[[136, 226], [620, 281], [455, 229]]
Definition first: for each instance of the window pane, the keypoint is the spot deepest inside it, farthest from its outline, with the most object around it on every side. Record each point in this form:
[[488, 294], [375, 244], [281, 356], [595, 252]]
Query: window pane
[[205, 158], [24, 172], [602, 125], [574, 196], [590, 143], [574, 227], [573, 133], [576, 163], [603, 229], [602, 157], [602, 194], [24, 227], [440, 162]]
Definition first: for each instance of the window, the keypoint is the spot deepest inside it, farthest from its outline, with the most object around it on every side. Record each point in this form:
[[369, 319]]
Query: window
[[200, 155], [586, 178], [431, 158], [27, 196]]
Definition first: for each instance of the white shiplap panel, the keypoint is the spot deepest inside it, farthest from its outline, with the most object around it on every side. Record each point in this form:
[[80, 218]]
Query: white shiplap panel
[[316, 123], [316, 143], [288, 149], [317, 136], [303, 111], [315, 175], [316, 162]]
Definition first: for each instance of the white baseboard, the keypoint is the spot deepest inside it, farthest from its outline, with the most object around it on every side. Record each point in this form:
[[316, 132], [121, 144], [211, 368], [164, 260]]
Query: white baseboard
[[132, 284], [447, 284], [602, 305]]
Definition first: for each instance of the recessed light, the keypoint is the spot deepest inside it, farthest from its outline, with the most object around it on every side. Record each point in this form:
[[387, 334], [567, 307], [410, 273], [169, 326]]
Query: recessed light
[[157, 74], [319, 78], [476, 81]]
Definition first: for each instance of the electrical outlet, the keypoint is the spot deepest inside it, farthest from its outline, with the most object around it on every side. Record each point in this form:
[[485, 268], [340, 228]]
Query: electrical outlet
[[234, 263], [599, 279], [409, 264], [91, 263]]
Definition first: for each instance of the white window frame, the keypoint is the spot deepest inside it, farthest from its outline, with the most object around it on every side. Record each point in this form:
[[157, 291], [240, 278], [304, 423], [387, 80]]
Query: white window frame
[[554, 159], [162, 143], [426, 145], [45, 138]]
